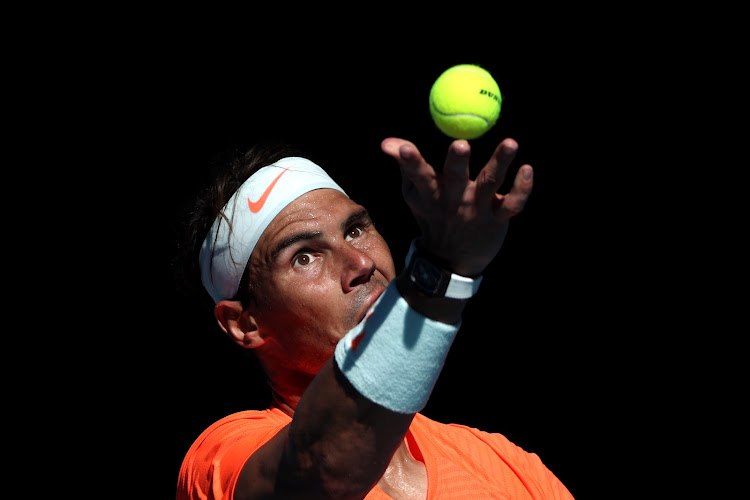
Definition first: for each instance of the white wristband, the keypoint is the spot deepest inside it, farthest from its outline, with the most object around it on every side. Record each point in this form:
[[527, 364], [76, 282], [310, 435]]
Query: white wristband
[[395, 355]]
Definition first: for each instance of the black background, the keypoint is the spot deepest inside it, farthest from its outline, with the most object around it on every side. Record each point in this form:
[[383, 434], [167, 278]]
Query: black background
[[604, 337], [543, 356]]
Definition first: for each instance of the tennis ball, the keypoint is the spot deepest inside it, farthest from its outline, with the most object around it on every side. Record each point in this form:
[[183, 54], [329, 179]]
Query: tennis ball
[[465, 101]]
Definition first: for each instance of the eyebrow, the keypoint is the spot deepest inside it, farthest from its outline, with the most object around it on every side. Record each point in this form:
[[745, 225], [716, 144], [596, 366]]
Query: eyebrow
[[359, 215]]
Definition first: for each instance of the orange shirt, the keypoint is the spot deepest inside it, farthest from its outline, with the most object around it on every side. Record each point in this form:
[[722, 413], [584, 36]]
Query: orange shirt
[[461, 462]]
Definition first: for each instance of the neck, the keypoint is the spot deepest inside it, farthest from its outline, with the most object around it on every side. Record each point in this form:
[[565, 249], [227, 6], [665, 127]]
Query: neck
[[287, 404], [287, 388], [405, 477]]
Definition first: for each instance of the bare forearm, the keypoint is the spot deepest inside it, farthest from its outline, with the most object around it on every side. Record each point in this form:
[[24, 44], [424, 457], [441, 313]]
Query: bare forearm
[[338, 445], [340, 441]]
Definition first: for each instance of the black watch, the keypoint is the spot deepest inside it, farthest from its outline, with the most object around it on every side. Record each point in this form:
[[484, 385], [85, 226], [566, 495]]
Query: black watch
[[434, 281]]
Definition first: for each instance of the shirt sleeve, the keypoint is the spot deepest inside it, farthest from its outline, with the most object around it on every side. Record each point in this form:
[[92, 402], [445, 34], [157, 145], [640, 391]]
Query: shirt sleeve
[[536, 477], [213, 463]]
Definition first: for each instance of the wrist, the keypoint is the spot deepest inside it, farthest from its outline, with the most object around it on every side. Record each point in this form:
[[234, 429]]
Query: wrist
[[443, 309], [433, 290], [434, 277]]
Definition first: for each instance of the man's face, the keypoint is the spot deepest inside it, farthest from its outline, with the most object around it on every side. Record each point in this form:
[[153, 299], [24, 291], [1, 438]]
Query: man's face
[[317, 269]]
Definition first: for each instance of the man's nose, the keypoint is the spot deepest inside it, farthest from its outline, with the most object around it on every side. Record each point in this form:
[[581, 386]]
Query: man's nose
[[357, 267]]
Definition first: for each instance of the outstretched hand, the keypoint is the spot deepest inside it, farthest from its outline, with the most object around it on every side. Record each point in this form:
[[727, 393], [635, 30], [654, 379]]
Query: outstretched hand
[[463, 221]]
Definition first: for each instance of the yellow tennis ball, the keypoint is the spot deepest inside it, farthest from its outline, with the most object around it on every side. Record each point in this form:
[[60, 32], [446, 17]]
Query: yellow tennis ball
[[465, 101]]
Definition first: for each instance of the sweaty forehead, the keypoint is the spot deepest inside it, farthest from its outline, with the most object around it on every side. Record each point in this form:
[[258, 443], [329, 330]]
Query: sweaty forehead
[[314, 205], [317, 210]]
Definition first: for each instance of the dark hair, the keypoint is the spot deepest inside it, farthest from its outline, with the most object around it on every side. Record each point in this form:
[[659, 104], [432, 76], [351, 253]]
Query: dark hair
[[228, 169]]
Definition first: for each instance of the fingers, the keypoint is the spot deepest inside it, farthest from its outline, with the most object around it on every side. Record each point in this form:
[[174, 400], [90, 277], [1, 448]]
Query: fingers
[[512, 204], [492, 176], [421, 185], [416, 173], [392, 145], [456, 173]]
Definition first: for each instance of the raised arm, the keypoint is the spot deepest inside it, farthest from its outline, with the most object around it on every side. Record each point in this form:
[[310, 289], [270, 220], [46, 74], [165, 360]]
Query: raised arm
[[341, 441]]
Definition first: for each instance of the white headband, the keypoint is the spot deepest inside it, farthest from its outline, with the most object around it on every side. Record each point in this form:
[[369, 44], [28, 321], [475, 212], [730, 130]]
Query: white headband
[[251, 209]]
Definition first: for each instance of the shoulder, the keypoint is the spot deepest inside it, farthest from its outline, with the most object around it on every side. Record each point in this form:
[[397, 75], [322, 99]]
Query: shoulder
[[489, 455], [217, 455], [253, 425], [458, 435], [473, 448]]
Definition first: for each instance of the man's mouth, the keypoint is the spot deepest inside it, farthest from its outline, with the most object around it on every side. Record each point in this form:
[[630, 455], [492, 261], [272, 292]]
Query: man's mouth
[[369, 302]]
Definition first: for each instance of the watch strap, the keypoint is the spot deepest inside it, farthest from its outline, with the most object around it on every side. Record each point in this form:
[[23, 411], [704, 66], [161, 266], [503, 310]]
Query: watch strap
[[457, 286]]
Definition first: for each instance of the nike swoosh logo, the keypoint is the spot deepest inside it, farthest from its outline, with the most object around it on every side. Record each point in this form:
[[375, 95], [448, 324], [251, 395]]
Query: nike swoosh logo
[[256, 206]]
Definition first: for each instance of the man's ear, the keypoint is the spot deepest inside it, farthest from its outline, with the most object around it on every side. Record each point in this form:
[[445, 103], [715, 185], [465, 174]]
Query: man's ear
[[238, 324]]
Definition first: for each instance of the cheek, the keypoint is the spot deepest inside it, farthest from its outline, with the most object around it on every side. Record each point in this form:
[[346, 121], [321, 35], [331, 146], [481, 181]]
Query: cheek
[[378, 250], [305, 325], [389, 268], [282, 319], [294, 303]]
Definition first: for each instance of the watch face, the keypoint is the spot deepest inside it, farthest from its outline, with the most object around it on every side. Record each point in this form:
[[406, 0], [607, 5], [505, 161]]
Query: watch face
[[426, 276]]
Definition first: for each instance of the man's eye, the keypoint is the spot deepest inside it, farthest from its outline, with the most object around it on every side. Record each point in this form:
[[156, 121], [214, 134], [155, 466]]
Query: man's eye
[[302, 259], [354, 232]]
